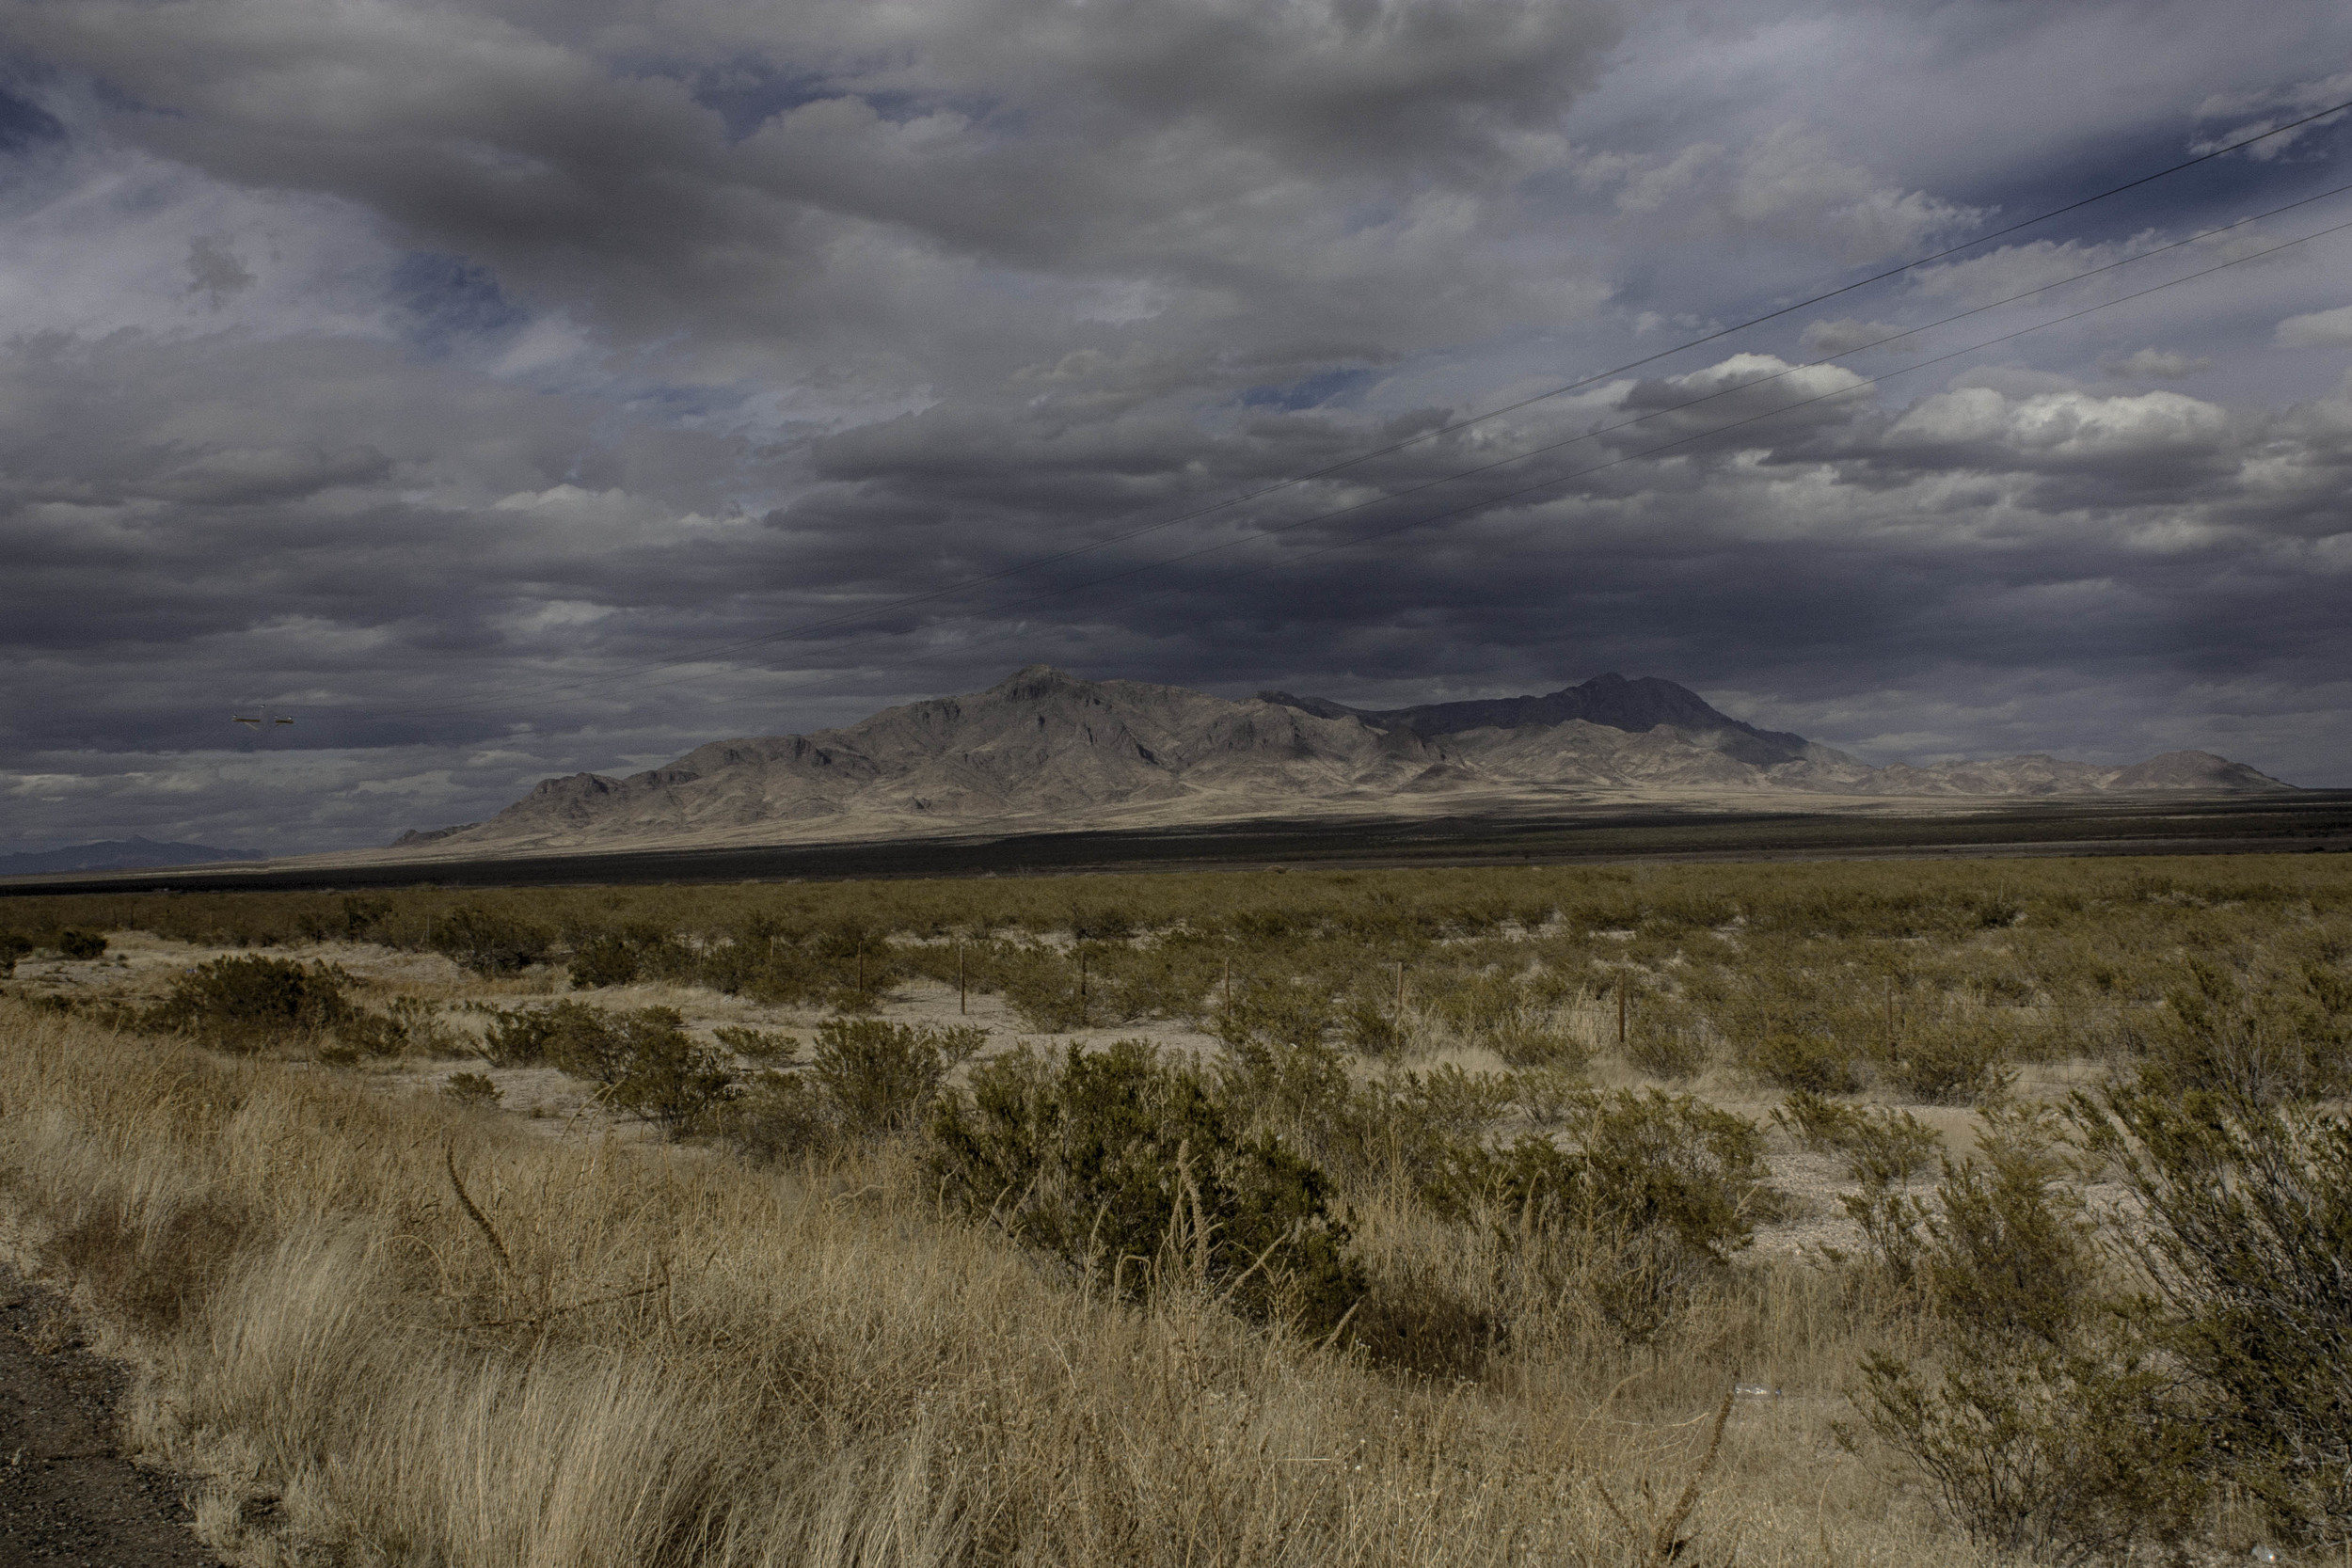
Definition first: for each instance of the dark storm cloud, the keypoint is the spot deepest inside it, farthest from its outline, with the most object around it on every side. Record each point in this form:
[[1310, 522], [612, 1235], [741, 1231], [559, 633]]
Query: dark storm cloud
[[516, 387]]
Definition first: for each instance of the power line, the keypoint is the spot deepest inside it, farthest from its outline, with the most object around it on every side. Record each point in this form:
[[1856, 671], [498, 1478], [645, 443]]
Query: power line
[[1557, 480], [653, 674], [723, 648]]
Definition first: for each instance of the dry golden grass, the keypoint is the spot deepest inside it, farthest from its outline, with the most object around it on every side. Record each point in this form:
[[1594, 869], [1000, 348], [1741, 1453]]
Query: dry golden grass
[[639, 1354]]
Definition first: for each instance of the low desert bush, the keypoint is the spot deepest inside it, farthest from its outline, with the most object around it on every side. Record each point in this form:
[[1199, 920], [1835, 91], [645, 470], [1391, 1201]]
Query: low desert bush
[[1649, 1195], [489, 942], [2046, 1420], [865, 1082], [669, 1078], [82, 944], [1402, 1128], [247, 1004], [1630, 1163], [1369, 1028], [2261, 1037], [604, 959], [1042, 988], [646, 1062], [766, 1047], [13, 945], [1879, 1145], [1536, 1037], [408, 1025], [643, 1061], [1672, 1049], [1955, 1061], [1128, 1168], [1263, 1015], [2246, 1245], [880, 1078], [530, 1036], [1802, 1060], [473, 1089]]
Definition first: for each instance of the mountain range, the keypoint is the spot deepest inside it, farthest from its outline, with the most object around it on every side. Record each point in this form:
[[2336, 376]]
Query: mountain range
[[118, 854], [1044, 749]]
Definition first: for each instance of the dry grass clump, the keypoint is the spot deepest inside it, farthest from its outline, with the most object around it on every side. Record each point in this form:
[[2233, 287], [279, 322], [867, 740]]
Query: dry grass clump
[[434, 1338]]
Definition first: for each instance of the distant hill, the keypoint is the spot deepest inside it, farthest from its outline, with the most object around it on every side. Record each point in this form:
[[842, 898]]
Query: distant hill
[[119, 854], [1636, 707], [1045, 749]]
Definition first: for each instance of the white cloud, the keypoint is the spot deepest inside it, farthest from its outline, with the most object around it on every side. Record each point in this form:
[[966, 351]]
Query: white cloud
[[2154, 364], [2271, 108], [2315, 329], [2063, 426], [1846, 335]]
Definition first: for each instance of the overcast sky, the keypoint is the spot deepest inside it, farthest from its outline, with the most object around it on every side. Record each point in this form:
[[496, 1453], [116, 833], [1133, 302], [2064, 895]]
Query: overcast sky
[[508, 387]]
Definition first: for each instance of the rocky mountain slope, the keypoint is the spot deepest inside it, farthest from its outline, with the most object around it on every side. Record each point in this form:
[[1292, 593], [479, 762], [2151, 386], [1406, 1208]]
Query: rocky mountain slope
[[1044, 748]]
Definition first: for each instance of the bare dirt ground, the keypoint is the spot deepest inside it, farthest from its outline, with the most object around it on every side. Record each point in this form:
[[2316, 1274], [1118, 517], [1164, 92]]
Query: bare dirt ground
[[67, 1495]]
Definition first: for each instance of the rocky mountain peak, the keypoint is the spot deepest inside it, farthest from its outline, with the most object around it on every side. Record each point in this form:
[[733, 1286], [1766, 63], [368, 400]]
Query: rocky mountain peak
[[1048, 751]]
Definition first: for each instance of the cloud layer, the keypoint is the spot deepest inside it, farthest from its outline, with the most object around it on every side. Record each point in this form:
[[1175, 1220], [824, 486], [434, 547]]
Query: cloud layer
[[507, 388]]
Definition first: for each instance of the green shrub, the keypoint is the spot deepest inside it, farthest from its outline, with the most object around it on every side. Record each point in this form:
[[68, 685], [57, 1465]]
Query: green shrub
[[1042, 988], [1632, 1163], [13, 945], [2049, 1425], [1959, 1062], [245, 1003], [770, 1048], [877, 1078], [1402, 1126], [1670, 1050], [1371, 1029], [82, 944], [777, 1115], [2262, 1038], [1529, 1036], [1128, 1168], [2248, 1247], [1797, 1059], [1651, 1195], [645, 1061], [407, 1024], [602, 1046], [669, 1078], [1881, 1145], [361, 917], [604, 960], [473, 1089], [1262, 1014], [1549, 1096], [2058, 1455], [528, 1037], [1294, 1088], [487, 941]]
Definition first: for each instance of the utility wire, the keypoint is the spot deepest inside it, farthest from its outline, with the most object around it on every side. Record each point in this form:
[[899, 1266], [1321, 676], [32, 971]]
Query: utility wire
[[931, 596], [653, 674], [1557, 480]]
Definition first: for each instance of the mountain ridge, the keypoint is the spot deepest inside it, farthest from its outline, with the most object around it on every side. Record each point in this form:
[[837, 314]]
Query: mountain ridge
[[1045, 745], [1612, 701], [135, 853]]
